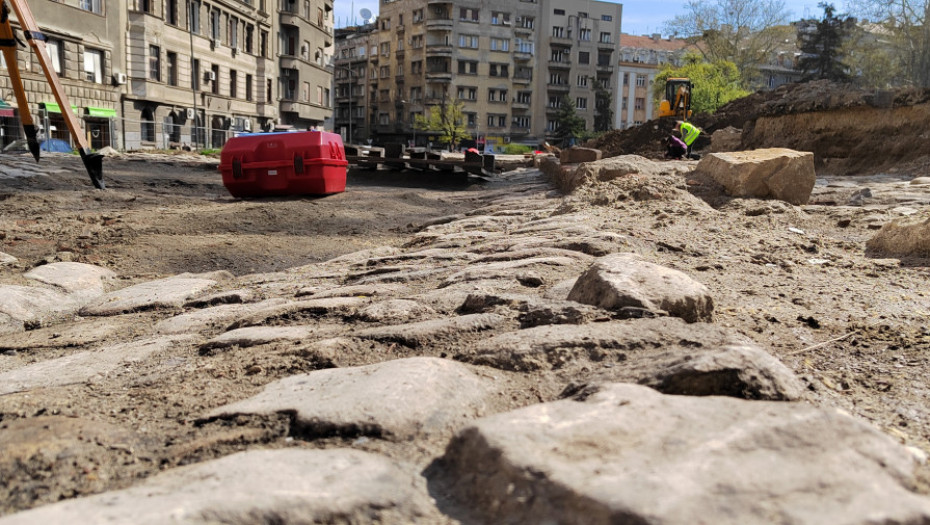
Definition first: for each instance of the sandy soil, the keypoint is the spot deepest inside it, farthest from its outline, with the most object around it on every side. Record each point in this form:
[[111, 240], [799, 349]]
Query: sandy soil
[[796, 279]]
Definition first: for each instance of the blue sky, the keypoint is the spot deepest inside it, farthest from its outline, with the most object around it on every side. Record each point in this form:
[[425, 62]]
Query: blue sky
[[640, 17]]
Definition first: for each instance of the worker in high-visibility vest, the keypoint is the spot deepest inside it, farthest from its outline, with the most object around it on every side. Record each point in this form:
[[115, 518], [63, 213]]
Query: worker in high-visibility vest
[[689, 133]]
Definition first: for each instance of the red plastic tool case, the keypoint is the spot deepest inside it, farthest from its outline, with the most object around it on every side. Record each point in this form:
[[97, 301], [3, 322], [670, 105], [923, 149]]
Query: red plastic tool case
[[290, 163]]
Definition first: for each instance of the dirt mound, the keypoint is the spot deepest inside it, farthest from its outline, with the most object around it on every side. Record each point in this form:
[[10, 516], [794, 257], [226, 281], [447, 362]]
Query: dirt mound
[[844, 126]]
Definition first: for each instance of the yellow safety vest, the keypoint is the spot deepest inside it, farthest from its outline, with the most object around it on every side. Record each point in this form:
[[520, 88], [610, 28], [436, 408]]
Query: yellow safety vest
[[689, 132]]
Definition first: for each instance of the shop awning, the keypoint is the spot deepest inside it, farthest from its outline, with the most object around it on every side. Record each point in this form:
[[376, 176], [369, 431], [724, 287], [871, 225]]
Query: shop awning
[[101, 112], [52, 107], [6, 110]]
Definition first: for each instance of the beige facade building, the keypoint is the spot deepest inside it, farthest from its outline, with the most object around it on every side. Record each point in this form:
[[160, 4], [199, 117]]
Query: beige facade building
[[165, 73], [505, 61]]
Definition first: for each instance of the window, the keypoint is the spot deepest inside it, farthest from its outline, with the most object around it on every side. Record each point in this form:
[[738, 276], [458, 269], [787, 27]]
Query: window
[[584, 34], [640, 80], [468, 41], [468, 15], [500, 44], [400, 69], [416, 41], [497, 95], [94, 6], [581, 103], [558, 11], [497, 121], [195, 74], [626, 79], [639, 103], [607, 18], [498, 18], [215, 69], [172, 59], [582, 14], [248, 87], [233, 32], [416, 68], [194, 15], [472, 119], [93, 66], [249, 36], [215, 24], [385, 49], [268, 93], [521, 122], [524, 46], [320, 16], [499, 70], [384, 119], [417, 16], [467, 93], [582, 80], [524, 97], [605, 38], [416, 93], [527, 22], [555, 55], [552, 125], [154, 63], [584, 57], [558, 32], [148, 125], [556, 79], [385, 71], [327, 100], [171, 12], [233, 83], [555, 102], [624, 103], [263, 43], [603, 59], [54, 54]]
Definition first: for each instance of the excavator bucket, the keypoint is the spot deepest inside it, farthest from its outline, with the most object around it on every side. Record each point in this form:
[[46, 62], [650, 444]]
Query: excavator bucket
[[31, 141]]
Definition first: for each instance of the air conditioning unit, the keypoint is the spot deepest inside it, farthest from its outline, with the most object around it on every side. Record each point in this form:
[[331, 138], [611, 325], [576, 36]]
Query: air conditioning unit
[[210, 76], [236, 51], [247, 125], [119, 78], [190, 113]]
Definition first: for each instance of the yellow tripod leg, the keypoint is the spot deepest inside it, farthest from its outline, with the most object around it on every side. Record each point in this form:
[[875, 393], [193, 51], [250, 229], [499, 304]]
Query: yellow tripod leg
[[92, 161], [8, 46]]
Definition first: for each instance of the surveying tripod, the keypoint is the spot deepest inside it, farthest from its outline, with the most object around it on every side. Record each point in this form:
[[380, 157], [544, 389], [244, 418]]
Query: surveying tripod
[[8, 42]]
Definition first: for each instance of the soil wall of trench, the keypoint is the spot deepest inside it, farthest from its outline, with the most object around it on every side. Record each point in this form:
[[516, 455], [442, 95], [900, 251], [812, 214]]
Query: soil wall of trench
[[850, 140]]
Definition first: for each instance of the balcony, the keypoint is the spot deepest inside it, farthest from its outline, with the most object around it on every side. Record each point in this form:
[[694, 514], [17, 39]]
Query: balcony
[[439, 23], [605, 67], [520, 105], [438, 2], [560, 64], [561, 88], [289, 62], [291, 19], [561, 41], [523, 81], [522, 55], [606, 45], [439, 49], [523, 30], [439, 76]]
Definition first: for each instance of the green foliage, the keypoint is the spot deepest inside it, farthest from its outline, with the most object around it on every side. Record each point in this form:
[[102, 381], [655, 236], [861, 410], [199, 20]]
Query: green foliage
[[571, 125], [516, 149], [603, 107], [446, 121], [715, 84], [894, 48], [821, 49]]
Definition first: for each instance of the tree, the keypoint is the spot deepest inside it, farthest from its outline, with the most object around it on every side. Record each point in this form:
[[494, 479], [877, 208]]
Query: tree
[[821, 44], [905, 29], [571, 125], [715, 84], [603, 107], [744, 32], [446, 120]]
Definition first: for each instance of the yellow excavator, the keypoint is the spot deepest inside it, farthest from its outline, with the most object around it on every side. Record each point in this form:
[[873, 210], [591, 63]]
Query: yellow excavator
[[93, 162], [677, 101]]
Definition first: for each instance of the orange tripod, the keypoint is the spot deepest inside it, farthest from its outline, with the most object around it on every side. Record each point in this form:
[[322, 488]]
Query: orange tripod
[[8, 42]]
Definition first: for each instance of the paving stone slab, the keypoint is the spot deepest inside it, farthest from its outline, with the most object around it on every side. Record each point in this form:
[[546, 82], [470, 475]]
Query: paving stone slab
[[420, 333], [504, 269], [162, 293], [240, 296], [32, 304], [84, 366], [533, 310], [72, 334], [362, 290], [395, 311], [260, 335], [627, 280], [213, 318], [289, 486], [6, 259], [396, 399], [627, 454], [72, 277], [307, 307]]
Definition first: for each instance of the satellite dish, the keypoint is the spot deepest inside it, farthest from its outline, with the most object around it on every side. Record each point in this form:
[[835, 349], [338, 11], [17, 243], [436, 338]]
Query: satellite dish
[[365, 13]]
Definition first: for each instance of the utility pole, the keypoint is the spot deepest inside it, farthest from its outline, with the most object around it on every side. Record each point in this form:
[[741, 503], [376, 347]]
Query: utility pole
[[194, 81]]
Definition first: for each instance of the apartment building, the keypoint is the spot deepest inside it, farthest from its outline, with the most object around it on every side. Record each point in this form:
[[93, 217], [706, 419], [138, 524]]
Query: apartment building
[[641, 58], [580, 45], [497, 59], [355, 83], [164, 73]]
